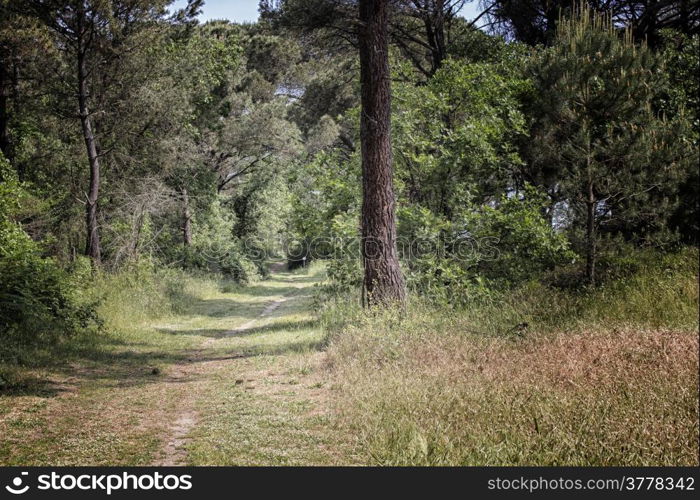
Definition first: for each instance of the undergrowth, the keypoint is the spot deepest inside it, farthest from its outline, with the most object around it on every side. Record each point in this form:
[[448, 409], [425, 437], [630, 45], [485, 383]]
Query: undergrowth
[[122, 302], [541, 375]]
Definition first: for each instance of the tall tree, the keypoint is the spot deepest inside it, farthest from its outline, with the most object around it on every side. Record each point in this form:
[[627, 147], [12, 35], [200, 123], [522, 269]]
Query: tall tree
[[19, 40], [84, 25], [423, 30], [383, 281], [94, 36]]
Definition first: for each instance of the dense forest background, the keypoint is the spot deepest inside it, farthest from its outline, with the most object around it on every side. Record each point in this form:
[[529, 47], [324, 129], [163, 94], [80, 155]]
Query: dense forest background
[[132, 134], [545, 159]]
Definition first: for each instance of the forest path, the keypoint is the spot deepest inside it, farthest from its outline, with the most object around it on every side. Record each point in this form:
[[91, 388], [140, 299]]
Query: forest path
[[237, 379]]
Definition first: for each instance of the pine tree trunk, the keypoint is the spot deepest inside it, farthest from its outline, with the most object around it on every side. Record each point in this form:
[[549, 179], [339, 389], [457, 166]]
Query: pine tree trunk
[[383, 281], [4, 115], [590, 236], [186, 219], [92, 246]]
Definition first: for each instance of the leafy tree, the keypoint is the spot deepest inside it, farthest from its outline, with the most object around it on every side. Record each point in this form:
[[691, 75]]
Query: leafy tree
[[455, 136], [491, 246], [95, 38], [681, 55]]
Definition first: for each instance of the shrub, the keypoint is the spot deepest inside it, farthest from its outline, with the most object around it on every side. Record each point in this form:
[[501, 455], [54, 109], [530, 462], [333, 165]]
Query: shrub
[[486, 249], [39, 303]]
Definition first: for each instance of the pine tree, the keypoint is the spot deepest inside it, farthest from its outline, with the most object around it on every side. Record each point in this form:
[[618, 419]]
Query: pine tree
[[94, 36], [383, 280], [596, 136]]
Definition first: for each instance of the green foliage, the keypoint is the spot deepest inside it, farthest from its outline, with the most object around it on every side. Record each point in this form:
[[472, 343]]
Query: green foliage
[[495, 246], [598, 145], [39, 305], [454, 137], [215, 248], [223, 146], [682, 64], [325, 210], [681, 55], [344, 268], [523, 241]]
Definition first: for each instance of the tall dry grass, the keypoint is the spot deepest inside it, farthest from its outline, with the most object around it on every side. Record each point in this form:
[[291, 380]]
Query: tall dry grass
[[606, 377]]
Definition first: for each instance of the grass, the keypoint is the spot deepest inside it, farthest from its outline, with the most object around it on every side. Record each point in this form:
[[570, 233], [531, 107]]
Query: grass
[[601, 377], [167, 347], [272, 407], [90, 403], [606, 377]]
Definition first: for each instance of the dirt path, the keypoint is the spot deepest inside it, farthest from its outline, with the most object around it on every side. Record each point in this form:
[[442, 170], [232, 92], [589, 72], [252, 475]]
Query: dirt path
[[261, 396], [237, 379], [174, 452], [247, 326]]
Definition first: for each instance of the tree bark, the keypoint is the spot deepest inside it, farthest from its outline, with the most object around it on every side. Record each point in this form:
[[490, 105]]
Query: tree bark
[[383, 281], [590, 235], [186, 219], [92, 246], [4, 115]]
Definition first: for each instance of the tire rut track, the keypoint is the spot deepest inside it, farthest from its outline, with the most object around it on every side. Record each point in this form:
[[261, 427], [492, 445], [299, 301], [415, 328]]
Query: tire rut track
[[174, 452]]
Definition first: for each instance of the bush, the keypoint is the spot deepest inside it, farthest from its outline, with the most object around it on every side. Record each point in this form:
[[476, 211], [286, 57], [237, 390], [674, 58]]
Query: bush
[[491, 248], [344, 269], [217, 257], [39, 302]]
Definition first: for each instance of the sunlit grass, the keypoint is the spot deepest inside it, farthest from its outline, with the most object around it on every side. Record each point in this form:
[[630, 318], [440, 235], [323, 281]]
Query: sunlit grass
[[602, 377], [111, 400], [271, 407]]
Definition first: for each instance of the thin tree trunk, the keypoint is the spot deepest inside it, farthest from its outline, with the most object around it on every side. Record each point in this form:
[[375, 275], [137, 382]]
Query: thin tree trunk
[[440, 49], [383, 281], [137, 236], [552, 13], [92, 246], [434, 21], [4, 115], [590, 236], [16, 111], [186, 219], [590, 243], [684, 17]]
